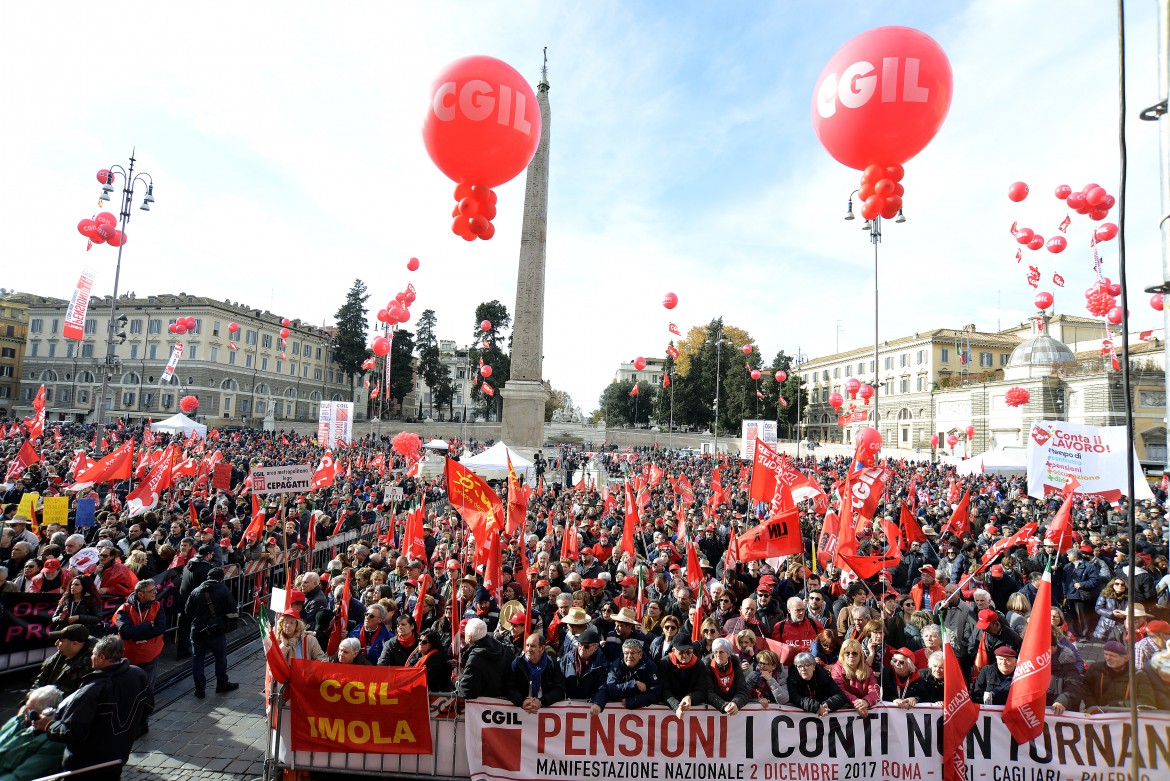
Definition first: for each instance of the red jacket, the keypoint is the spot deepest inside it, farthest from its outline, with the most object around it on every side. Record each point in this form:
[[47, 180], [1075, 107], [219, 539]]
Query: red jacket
[[141, 630], [937, 595], [799, 636], [117, 580]]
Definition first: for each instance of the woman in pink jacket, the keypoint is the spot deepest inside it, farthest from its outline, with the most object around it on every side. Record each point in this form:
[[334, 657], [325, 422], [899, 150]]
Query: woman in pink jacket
[[855, 677]]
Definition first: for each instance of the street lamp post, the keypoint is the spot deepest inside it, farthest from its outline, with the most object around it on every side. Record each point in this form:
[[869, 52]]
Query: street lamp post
[[129, 181], [796, 362], [718, 370], [874, 228]]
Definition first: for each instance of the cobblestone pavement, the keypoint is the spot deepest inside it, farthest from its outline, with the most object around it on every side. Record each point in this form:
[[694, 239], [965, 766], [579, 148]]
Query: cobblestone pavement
[[220, 738]]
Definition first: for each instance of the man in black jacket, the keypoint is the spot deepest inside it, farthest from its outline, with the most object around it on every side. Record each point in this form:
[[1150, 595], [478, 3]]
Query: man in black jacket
[[71, 663], [211, 608], [485, 663], [99, 722], [193, 574]]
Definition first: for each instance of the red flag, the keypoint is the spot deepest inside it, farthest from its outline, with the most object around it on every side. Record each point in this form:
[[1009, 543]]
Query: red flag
[[420, 606], [475, 501], [517, 500], [571, 543], [413, 542], [911, 530], [1060, 530], [487, 389], [255, 528], [674, 330], [1024, 712], [866, 567], [146, 495], [666, 379], [1145, 336], [960, 522], [672, 351], [325, 473], [1057, 280], [115, 466], [341, 622], [1064, 224], [277, 664], [493, 570], [1007, 543], [24, 459], [656, 475], [631, 521], [827, 542], [634, 390], [731, 557], [778, 536], [959, 716]]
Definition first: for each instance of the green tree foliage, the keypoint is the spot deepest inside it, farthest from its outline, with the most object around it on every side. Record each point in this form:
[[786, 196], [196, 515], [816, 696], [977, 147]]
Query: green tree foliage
[[351, 347], [430, 364], [496, 355], [621, 409], [401, 368]]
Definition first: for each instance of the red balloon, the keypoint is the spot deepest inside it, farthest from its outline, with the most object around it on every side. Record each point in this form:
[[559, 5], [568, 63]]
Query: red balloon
[[867, 443], [1108, 203], [106, 231], [865, 392], [105, 218], [403, 315], [884, 188], [86, 226], [747, 349], [173, 328], [462, 227], [180, 328], [1114, 288], [882, 97], [871, 175], [1036, 242], [383, 316], [1106, 232], [478, 224], [755, 374], [409, 297], [670, 301], [486, 325], [970, 432], [233, 328], [835, 400], [469, 207], [895, 172], [117, 239], [400, 297], [188, 404], [485, 371], [286, 322], [103, 176], [1016, 397], [483, 124], [1156, 301], [412, 264], [1094, 196], [934, 440], [1024, 235], [380, 346], [284, 332], [191, 323], [952, 440], [781, 376], [852, 385], [487, 210], [1057, 244], [488, 232], [1076, 201], [1043, 300], [1017, 192], [639, 363], [1115, 315]]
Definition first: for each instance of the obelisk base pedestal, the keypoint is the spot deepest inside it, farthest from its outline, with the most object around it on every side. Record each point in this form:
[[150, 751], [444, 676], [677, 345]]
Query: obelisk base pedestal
[[523, 428]]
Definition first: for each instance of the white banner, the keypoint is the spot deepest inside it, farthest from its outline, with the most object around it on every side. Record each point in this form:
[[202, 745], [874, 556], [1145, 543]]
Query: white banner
[[1094, 455], [169, 372], [765, 430], [323, 423], [281, 479], [335, 423], [785, 744], [75, 313]]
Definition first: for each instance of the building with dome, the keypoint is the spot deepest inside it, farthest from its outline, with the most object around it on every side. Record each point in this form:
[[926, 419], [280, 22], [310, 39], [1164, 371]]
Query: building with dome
[[942, 381]]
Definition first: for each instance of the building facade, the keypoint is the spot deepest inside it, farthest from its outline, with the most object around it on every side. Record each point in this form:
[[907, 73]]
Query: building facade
[[13, 332], [259, 378], [652, 374], [457, 361]]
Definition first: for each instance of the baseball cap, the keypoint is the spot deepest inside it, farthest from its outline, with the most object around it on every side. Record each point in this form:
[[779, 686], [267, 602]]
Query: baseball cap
[[1086, 549], [996, 571], [987, 618], [75, 632], [589, 637], [629, 580], [295, 595], [52, 565], [1158, 627], [926, 569]]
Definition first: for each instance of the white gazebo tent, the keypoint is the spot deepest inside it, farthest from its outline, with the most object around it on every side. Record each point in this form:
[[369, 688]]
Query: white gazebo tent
[[179, 424], [1005, 461], [492, 464], [436, 444]]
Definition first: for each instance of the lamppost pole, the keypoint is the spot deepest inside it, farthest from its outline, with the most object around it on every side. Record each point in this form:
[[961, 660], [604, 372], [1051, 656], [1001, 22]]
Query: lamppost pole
[[129, 180], [718, 370], [797, 361], [874, 228]]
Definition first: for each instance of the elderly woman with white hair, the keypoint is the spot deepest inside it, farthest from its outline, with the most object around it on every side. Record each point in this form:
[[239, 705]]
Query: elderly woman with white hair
[[722, 683], [812, 689], [25, 751]]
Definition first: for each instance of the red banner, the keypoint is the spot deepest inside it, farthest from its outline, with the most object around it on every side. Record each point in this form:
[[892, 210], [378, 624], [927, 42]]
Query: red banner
[[865, 492], [360, 709], [764, 467], [778, 536], [853, 417]]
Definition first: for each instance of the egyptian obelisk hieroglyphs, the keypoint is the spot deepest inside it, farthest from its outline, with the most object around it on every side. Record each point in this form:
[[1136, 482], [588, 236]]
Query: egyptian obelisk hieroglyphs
[[524, 394]]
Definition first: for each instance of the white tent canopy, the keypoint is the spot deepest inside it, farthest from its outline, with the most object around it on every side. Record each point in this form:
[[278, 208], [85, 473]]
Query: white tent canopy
[[436, 444], [492, 464], [1005, 461], [179, 423]]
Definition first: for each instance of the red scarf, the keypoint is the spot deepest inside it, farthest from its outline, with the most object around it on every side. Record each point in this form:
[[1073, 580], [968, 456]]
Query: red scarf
[[674, 658], [422, 660], [725, 680]]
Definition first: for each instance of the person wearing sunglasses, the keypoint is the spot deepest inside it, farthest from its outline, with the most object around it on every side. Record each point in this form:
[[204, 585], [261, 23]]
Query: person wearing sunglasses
[[812, 689]]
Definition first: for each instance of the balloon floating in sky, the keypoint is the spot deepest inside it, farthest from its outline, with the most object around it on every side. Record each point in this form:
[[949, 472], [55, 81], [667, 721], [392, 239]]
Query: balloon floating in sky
[[481, 130], [1017, 192], [639, 363], [1016, 397], [412, 264], [670, 301], [747, 349], [882, 97], [781, 376], [486, 325], [1043, 300]]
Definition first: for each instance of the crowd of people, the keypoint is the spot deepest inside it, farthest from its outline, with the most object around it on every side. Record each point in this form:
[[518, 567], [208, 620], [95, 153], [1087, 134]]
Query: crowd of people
[[580, 622]]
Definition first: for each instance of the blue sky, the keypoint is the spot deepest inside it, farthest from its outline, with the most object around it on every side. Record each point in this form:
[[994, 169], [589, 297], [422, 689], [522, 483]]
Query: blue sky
[[284, 141]]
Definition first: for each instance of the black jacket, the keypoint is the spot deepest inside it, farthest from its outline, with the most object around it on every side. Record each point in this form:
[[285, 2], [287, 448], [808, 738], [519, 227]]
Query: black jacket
[[394, 653], [679, 682], [716, 697], [519, 685], [809, 695], [100, 721], [485, 668], [197, 611], [193, 574]]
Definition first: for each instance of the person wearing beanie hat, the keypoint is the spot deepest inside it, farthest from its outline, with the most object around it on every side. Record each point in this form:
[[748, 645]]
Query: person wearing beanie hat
[[1107, 682], [584, 670], [722, 683], [682, 678], [992, 683]]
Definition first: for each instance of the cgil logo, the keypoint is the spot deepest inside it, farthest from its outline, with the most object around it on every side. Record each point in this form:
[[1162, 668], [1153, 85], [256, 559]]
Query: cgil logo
[[857, 84], [477, 101]]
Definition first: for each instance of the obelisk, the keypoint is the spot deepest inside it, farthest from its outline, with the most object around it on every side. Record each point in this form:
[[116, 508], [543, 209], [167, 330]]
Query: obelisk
[[524, 394]]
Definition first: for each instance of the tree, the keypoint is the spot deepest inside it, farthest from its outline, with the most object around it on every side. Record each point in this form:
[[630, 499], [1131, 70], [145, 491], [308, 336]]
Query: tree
[[430, 363], [704, 352], [621, 408], [401, 365], [351, 348], [493, 354]]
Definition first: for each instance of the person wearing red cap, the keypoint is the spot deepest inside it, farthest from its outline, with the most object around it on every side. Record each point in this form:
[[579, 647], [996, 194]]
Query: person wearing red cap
[[927, 593], [52, 579], [1001, 586], [900, 681], [990, 634]]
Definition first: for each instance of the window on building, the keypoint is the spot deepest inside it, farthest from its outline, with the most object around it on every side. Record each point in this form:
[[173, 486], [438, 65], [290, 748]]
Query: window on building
[[824, 395], [147, 400], [292, 368], [296, 348], [250, 337], [921, 358], [32, 349], [153, 352], [264, 364], [136, 326], [8, 352], [261, 406], [214, 354], [248, 361], [849, 370], [904, 360], [70, 348], [986, 359], [62, 395], [193, 352], [872, 366], [825, 375], [167, 400], [231, 357], [155, 326], [904, 385], [91, 326], [836, 372], [133, 351], [318, 353], [921, 383], [266, 343], [305, 371], [1004, 358], [82, 396], [316, 374], [54, 325], [52, 349], [944, 355], [888, 362], [7, 371], [128, 399], [36, 326], [215, 328]]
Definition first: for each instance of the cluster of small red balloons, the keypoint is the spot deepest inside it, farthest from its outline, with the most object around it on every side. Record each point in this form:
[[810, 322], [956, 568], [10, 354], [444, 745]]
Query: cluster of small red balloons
[[102, 230], [188, 404], [475, 208], [1016, 397], [1092, 199], [854, 387], [1101, 300], [881, 191], [182, 325], [1035, 241], [398, 309]]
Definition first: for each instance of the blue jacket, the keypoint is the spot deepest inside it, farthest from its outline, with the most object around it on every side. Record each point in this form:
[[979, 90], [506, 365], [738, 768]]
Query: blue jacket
[[590, 685], [1084, 573], [622, 683]]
